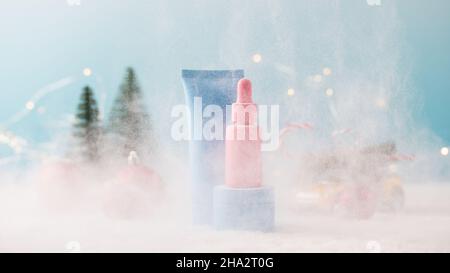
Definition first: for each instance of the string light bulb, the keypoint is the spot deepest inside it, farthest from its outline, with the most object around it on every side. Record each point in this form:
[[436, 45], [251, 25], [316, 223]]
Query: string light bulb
[[257, 58], [317, 78], [87, 72], [291, 92], [329, 92], [380, 103], [327, 71], [30, 105]]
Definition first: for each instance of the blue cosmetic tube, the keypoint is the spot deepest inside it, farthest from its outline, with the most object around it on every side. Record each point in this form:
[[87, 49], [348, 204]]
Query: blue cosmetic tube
[[213, 87]]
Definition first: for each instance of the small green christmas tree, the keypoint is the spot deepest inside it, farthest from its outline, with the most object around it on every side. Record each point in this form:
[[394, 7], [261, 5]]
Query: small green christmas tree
[[129, 122], [87, 126]]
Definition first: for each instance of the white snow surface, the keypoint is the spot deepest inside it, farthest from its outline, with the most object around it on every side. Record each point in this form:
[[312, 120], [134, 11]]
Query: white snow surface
[[28, 226]]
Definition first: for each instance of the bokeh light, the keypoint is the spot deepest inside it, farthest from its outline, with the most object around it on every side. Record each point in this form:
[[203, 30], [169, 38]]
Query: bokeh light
[[327, 71], [444, 151], [29, 105], [380, 103], [257, 58], [329, 92], [291, 92], [87, 72], [317, 78]]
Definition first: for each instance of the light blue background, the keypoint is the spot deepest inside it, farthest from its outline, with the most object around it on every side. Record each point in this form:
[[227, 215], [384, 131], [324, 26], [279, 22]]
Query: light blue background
[[42, 41]]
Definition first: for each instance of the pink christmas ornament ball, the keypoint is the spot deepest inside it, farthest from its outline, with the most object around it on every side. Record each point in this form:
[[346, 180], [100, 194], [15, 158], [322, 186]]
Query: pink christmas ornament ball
[[59, 184]]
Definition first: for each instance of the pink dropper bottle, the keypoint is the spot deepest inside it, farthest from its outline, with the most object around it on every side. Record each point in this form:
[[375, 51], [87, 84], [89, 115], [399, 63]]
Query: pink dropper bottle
[[243, 145]]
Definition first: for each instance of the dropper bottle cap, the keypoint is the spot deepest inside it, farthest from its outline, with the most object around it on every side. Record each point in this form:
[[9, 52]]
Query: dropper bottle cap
[[244, 111], [244, 91]]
